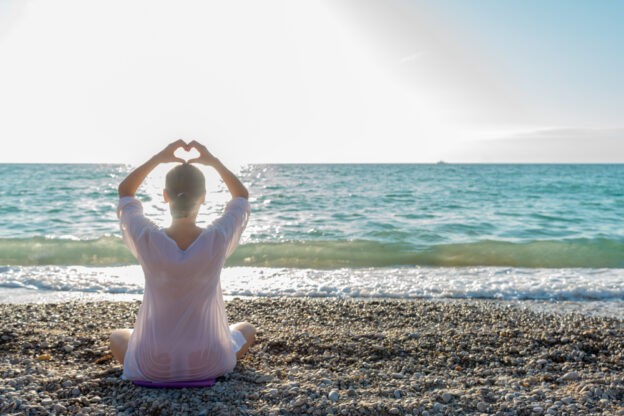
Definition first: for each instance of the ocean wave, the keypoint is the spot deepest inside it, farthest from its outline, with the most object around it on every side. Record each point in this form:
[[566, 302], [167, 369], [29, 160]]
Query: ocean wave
[[104, 251], [110, 250], [503, 283]]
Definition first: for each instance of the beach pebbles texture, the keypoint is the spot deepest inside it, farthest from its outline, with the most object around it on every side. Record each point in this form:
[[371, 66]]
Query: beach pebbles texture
[[328, 357]]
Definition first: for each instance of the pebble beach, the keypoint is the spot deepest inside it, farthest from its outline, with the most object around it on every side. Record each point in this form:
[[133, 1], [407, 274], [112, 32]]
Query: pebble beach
[[329, 357]]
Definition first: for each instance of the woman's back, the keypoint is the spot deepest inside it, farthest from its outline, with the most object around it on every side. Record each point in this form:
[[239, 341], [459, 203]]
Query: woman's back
[[181, 332], [184, 237]]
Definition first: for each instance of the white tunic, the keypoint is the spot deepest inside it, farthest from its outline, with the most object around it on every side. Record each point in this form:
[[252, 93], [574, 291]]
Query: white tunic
[[181, 332]]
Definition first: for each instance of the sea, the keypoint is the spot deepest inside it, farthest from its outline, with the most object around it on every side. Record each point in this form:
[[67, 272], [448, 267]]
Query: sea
[[547, 235]]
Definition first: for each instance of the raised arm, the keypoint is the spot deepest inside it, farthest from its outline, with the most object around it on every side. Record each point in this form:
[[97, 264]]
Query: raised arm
[[234, 185], [129, 186]]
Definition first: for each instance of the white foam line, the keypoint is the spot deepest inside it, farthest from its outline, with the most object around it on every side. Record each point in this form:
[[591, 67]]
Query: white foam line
[[403, 282]]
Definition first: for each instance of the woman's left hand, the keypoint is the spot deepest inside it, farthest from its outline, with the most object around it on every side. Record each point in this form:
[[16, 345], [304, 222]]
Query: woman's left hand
[[167, 154]]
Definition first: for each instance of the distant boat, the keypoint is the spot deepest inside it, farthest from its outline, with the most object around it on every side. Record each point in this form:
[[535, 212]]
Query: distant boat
[[441, 162]]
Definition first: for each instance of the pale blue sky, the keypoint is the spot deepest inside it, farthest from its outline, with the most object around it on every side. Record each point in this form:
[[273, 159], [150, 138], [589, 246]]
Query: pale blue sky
[[567, 55], [313, 81]]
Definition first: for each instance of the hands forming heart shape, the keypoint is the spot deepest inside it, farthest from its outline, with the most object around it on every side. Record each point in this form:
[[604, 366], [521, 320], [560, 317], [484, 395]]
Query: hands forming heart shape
[[192, 152]]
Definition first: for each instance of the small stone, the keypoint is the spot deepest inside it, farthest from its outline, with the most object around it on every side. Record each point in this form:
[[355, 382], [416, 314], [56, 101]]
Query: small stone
[[397, 375], [46, 402], [299, 401], [66, 384], [75, 392], [482, 406], [538, 409], [60, 408], [68, 348], [95, 399], [572, 375], [397, 394], [447, 397], [567, 400], [44, 357], [5, 337], [273, 392], [333, 395], [394, 411]]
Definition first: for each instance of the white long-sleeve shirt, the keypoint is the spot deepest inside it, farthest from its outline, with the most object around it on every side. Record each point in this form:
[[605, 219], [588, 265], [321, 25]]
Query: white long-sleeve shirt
[[181, 332]]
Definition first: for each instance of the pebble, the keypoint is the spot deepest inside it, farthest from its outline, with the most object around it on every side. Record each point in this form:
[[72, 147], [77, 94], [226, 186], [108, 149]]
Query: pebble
[[572, 375], [68, 348], [340, 365]]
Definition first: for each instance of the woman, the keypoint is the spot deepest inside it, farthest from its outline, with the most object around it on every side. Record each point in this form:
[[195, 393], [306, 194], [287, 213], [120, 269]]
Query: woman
[[181, 332]]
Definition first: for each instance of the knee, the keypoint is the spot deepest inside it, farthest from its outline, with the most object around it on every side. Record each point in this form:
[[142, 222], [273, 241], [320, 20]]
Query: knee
[[113, 340], [248, 330], [252, 332], [118, 337]]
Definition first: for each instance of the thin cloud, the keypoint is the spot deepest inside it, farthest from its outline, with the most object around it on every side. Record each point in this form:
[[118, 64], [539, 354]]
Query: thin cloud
[[412, 58], [558, 145]]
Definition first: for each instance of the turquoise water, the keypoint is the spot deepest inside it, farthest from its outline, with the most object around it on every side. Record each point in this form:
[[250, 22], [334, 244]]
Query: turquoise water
[[328, 216], [529, 232]]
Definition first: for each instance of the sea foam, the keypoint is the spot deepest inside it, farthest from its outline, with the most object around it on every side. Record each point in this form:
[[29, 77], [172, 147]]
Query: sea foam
[[573, 284]]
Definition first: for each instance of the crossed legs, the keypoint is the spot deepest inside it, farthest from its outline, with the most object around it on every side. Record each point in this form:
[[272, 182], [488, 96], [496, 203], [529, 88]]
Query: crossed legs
[[120, 337]]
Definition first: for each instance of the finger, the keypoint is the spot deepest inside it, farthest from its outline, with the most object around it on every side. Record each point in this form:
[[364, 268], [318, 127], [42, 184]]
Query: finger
[[200, 147], [195, 160], [178, 159], [178, 143]]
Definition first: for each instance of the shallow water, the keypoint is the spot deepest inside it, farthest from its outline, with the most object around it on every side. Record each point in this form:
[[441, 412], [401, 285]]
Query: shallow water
[[385, 230]]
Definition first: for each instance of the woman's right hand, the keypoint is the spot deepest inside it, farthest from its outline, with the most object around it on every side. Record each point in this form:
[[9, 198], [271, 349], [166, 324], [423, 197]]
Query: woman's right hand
[[205, 157], [167, 154]]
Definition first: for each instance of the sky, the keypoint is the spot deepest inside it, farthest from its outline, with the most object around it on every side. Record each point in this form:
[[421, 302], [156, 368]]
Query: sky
[[336, 81]]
